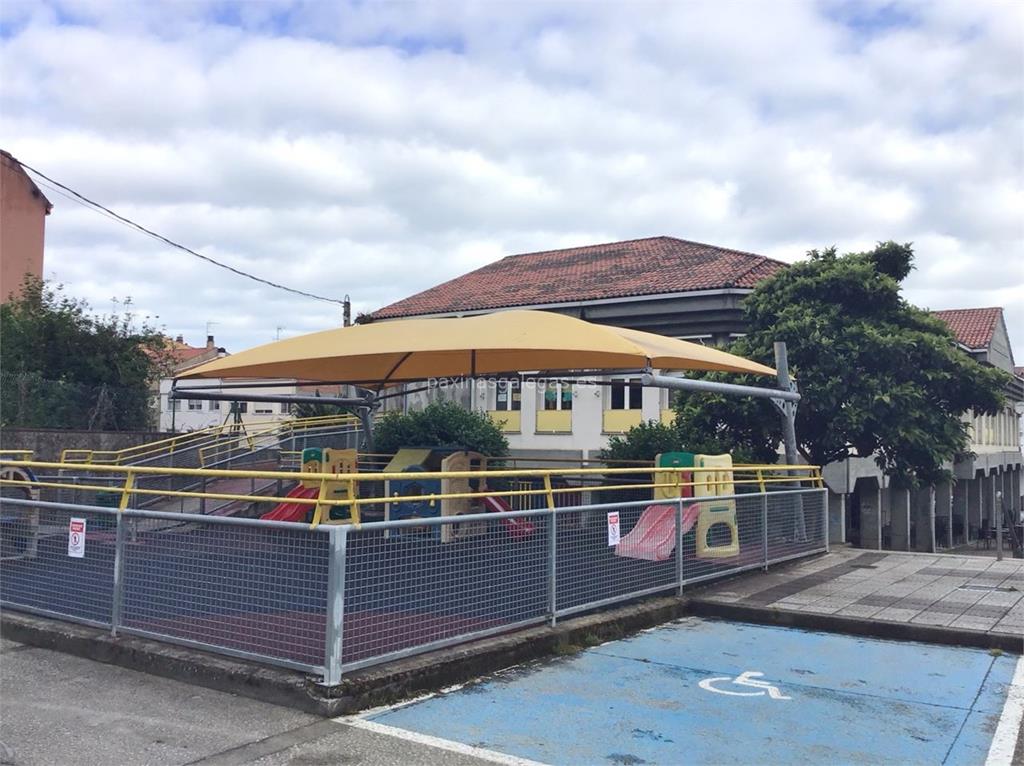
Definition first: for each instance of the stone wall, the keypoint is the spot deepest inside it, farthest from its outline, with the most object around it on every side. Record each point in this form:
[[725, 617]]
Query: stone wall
[[47, 443]]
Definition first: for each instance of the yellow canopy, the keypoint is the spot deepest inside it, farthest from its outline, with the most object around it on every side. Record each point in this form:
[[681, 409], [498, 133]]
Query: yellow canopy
[[506, 341]]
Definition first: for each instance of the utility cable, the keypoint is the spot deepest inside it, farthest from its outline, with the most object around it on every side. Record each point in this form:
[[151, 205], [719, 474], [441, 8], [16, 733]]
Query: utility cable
[[139, 227]]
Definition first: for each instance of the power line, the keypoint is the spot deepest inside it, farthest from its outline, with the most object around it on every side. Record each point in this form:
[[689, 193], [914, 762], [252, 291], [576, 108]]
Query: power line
[[58, 186]]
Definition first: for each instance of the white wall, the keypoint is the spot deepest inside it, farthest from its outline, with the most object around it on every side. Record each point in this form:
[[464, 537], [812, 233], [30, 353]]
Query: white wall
[[215, 413]]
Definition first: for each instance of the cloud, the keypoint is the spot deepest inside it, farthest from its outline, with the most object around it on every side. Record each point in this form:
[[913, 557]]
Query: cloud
[[377, 149]]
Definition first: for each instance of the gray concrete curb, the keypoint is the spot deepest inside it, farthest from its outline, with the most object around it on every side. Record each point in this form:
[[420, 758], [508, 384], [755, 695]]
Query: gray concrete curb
[[360, 690], [857, 626]]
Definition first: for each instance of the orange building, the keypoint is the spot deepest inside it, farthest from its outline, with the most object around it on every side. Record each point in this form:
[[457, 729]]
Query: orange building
[[23, 211]]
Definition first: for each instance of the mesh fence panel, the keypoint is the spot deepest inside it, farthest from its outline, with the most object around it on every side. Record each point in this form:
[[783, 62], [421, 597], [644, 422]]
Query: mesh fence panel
[[261, 590], [796, 523], [406, 588], [590, 570], [722, 536], [38, 572]]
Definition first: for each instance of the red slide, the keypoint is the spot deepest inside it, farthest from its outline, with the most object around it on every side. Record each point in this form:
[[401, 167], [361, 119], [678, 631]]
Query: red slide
[[517, 527], [654, 536], [292, 511]]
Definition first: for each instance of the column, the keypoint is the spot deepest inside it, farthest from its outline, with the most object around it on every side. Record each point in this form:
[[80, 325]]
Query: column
[[923, 516], [899, 514], [944, 510], [836, 517], [960, 511], [870, 514], [975, 502]]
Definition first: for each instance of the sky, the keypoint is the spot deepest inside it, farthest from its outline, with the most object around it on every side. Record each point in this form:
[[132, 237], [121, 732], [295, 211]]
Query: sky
[[377, 149]]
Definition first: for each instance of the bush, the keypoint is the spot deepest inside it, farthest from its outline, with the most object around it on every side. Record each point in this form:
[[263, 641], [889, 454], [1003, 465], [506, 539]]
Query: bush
[[441, 424], [642, 442]]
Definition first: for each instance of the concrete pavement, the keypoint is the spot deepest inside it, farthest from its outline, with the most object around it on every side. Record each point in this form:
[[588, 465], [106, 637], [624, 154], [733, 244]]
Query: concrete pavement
[[957, 593], [58, 709]]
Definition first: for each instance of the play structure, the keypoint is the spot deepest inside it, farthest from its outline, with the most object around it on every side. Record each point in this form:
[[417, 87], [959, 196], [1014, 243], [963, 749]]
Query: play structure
[[421, 493], [24, 527], [653, 538], [316, 460]]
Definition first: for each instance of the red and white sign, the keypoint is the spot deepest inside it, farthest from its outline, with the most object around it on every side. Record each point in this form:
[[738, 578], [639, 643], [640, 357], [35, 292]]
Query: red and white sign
[[76, 538], [613, 528]]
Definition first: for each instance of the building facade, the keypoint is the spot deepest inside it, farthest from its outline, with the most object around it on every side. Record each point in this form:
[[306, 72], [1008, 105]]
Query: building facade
[[693, 291], [23, 211], [663, 285]]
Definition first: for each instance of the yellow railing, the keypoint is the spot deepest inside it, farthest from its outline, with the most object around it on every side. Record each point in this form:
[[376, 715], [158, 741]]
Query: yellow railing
[[16, 454], [193, 439], [247, 440], [758, 476]]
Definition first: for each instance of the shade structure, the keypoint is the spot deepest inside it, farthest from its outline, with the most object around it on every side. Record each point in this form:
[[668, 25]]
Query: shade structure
[[503, 342]]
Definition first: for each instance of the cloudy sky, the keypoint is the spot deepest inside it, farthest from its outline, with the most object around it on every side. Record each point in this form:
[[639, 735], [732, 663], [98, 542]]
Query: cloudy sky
[[376, 149]]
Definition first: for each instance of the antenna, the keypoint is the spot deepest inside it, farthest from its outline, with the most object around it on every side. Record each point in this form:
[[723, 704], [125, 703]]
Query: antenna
[[279, 328], [209, 327]]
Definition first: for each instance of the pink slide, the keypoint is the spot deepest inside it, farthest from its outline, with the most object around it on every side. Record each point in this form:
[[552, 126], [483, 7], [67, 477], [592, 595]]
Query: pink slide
[[517, 528], [654, 536], [292, 511]]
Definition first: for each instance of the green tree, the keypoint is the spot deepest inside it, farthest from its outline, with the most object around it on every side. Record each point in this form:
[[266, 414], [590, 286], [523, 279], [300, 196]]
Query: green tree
[[68, 368], [441, 424], [878, 376]]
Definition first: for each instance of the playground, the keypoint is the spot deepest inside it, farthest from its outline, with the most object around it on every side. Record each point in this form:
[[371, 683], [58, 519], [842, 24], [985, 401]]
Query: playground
[[298, 545]]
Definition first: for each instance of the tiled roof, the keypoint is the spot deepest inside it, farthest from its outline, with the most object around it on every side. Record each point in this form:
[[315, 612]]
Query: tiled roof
[[1019, 372], [971, 327], [650, 266]]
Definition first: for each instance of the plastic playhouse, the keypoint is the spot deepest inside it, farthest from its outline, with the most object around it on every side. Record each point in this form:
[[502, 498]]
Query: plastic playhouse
[[654, 536]]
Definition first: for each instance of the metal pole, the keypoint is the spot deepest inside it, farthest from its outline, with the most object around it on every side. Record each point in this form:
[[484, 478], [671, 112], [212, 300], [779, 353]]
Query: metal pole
[[1000, 513], [764, 528], [338, 552], [117, 591], [788, 409], [202, 500], [679, 548], [552, 567]]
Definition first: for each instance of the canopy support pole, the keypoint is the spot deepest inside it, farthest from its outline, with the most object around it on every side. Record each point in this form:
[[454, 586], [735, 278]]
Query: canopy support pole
[[784, 398]]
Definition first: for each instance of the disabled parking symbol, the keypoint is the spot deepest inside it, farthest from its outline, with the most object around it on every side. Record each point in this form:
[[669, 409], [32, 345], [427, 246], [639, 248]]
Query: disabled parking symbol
[[748, 678]]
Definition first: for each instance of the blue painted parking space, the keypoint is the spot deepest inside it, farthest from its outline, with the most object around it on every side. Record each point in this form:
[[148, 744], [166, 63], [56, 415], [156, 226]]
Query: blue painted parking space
[[706, 691]]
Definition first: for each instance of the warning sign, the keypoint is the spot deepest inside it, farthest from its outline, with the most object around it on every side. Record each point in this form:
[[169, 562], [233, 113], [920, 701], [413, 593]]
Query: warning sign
[[613, 528], [76, 538]]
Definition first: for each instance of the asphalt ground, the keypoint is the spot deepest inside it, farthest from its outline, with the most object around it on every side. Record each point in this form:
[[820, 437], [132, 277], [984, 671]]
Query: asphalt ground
[[686, 692], [58, 709], [714, 692]]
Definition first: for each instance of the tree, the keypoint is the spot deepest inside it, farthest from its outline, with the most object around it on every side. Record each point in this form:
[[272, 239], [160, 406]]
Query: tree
[[878, 376], [65, 367], [642, 442], [440, 424]]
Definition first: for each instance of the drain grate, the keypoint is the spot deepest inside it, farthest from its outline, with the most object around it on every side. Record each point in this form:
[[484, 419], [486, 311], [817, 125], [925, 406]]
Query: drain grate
[[988, 588]]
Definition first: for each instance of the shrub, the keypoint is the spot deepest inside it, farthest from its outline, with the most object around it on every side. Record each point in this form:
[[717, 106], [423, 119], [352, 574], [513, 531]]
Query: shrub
[[642, 442], [441, 424]]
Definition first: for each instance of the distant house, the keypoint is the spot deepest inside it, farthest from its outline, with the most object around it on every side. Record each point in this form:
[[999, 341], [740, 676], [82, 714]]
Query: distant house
[[23, 211]]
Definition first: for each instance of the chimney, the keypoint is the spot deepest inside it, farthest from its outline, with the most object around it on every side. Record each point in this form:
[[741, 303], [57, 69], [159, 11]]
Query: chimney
[[180, 339], [209, 342]]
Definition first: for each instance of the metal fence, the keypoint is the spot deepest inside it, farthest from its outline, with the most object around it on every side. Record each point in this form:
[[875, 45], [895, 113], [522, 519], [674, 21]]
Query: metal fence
[[329, 599]]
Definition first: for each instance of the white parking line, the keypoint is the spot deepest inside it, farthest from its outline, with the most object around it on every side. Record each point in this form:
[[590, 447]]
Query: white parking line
[[442, 744], [1000, 753]]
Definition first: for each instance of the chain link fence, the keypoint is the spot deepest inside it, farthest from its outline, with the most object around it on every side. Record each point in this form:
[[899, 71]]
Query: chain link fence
[[335, 598]]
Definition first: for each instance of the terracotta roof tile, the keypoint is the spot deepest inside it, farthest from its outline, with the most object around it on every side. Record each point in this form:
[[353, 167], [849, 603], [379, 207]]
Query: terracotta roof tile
[[971, 327], [614, 270]]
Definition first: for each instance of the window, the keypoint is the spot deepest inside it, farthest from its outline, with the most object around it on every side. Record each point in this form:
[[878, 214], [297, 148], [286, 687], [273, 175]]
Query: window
[[195, 404], [214, 406], [264, 409], [625, 395], [243, 407], [508, 396], [173, 405], [558, 396]]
